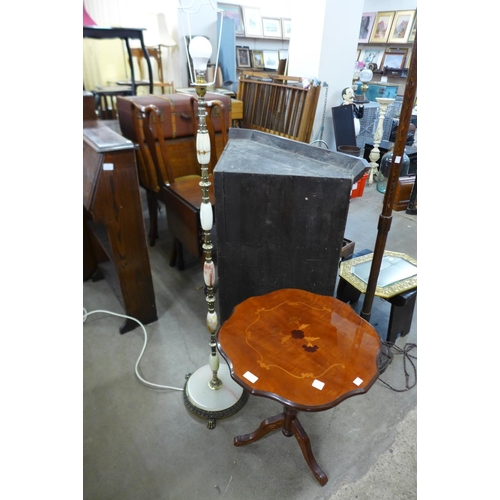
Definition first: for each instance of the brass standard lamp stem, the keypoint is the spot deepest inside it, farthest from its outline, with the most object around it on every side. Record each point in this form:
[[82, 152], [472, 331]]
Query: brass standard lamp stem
[[385, 218], [202, 144]]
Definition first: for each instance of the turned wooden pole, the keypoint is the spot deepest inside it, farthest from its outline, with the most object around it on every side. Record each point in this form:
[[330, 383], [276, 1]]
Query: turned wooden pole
[[385, 219]]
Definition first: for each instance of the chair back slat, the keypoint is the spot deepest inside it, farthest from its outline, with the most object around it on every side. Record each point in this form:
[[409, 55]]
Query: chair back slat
[[277, 106]]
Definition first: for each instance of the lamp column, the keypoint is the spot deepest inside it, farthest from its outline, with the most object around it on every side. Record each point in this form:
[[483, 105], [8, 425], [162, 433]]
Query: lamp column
[[210, 392], [377, 138]]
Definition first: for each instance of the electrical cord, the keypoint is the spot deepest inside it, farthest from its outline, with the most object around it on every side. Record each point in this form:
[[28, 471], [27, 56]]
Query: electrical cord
[[150, 384], [406, 356]]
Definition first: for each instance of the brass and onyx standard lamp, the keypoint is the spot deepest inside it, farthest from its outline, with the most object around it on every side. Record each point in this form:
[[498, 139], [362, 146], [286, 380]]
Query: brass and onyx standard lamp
[[209, 392]]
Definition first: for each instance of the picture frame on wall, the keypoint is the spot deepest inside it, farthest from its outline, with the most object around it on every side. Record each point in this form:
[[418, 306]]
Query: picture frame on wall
[[382, 27], [365, 29], [394, 59], [371, 56], [408, 59], [401, 26], [235, 13], [413, 30], [257, 59], [271, 27], [243, 57], [253, 22], [271, 59], [286, 28]]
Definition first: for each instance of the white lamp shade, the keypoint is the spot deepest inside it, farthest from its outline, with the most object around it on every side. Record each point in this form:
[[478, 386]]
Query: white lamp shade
[[366, 75], [200, 50]]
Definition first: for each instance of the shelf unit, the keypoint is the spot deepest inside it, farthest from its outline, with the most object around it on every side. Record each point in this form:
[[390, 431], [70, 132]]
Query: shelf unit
[[259, 43], [381, 50]]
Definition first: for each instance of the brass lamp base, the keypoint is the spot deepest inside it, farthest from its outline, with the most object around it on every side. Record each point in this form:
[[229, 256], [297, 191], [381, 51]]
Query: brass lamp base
[[213, 404]]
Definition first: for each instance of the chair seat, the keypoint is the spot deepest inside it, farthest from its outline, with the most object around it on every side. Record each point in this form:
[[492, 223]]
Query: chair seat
[[114, 90], [188, 188], [182, 201], [129, 82]]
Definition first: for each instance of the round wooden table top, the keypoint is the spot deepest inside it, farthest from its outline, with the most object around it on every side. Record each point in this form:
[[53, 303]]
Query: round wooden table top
[[304, 350]]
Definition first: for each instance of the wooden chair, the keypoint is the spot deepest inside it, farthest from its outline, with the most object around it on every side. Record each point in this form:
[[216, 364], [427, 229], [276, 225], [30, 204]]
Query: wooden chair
[[182, 195], [278, 104], [105, 100], [155, 54]]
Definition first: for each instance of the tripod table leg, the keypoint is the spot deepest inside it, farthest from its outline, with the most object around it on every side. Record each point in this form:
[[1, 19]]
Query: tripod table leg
[[266, 426], [305, 445]]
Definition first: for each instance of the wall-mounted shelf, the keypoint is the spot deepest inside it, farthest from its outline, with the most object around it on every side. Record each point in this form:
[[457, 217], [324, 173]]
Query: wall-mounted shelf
[[269, 39]]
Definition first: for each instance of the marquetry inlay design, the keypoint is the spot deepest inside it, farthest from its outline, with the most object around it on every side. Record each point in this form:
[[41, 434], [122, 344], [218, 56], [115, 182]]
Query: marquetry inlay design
[[297, 339]]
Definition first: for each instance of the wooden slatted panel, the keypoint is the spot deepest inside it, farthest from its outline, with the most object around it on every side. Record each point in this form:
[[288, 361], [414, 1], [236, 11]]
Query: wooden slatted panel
[[278, 108]]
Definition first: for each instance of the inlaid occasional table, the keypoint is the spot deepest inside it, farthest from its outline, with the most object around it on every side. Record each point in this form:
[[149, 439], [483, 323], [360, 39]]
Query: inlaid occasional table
[[308, 352]]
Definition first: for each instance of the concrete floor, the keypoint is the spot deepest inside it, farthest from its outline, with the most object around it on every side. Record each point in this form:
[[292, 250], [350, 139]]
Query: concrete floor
[[142, 443]]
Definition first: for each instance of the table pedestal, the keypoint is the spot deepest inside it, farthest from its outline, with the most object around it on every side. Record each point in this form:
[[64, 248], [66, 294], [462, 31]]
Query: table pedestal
[[290, 426]]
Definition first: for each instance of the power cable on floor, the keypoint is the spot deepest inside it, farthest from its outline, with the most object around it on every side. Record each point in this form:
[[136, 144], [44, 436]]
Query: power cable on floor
[[406, 356], [150, 384]]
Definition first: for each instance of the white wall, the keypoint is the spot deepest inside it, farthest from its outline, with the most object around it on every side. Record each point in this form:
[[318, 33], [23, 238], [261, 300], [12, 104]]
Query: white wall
[[268, 8], [323, 44], [383, 5]]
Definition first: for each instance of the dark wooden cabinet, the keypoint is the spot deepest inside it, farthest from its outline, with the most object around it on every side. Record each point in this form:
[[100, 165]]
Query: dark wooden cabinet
[[280, 216]]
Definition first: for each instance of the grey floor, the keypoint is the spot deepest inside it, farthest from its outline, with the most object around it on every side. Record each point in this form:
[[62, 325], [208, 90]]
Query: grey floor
[[142, 443]]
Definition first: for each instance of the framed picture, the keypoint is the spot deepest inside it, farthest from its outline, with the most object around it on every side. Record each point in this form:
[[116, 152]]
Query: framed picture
[[271, 59], [286, 28], [243, 57], [271, 27], [257, 58], [367, 20], [371, 56], [382, 27], [394, 59], [408, 59], [411, 38], [234, 12], [401, 26], [253, 21]]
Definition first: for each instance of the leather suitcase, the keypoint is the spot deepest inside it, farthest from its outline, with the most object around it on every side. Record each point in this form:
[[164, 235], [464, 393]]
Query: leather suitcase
[[176, 113], [178, 128]]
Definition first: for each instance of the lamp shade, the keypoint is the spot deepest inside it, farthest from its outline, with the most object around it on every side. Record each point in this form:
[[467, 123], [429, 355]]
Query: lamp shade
[[366, 75], [157, 32], [200, 50]]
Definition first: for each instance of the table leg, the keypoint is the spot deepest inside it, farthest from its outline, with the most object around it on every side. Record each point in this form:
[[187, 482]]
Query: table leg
[[266, 426], [305, 445], [346, 292], [291, 426]]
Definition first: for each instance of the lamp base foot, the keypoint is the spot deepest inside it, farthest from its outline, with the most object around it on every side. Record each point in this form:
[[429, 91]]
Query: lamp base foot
[[212, 404]]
